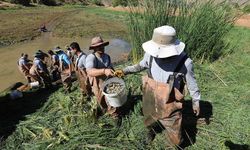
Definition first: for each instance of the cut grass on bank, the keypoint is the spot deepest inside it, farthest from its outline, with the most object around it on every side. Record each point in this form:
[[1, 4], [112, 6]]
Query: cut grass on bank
[[23, 24], [62, 124], [89, 23]]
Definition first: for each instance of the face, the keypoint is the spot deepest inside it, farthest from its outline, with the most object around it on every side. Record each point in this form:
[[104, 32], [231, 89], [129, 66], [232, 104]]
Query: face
[[100, 50], [25, 56], [73, 51]]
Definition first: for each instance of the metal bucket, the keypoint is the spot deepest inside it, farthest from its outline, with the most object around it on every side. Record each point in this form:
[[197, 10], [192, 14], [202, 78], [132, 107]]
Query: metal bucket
[[34, 84], [115, 99], [16, 94]]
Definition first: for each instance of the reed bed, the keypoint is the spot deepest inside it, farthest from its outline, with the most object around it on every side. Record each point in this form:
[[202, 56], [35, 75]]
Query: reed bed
[[202, 26]]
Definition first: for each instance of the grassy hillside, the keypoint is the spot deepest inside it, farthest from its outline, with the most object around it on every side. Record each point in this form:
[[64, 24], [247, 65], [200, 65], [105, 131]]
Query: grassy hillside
[[66, 122]]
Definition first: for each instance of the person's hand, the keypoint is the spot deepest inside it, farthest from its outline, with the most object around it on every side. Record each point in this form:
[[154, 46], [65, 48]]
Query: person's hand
[[119, 73], [108, 72], [196, 108]]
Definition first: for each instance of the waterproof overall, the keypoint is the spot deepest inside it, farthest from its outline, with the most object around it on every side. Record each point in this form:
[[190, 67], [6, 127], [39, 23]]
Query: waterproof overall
[[162, 103], [96, 85], [25, 71], [83, 79], [40, 76], [65, 75]]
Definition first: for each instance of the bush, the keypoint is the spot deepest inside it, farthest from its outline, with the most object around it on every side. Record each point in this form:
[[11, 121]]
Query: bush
[[22, 2], [96, 2], [119, 2], [246, 9], [201, 26], [48, 2]]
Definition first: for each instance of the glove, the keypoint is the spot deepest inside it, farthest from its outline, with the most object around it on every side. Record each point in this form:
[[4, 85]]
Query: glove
[[119, 73]]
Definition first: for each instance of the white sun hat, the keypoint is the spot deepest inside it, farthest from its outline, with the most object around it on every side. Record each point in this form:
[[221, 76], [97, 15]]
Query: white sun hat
[[164, 43]]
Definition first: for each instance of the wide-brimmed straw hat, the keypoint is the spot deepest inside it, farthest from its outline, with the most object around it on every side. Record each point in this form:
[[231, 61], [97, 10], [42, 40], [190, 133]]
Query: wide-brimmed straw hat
[[164, 43], [97, 42]]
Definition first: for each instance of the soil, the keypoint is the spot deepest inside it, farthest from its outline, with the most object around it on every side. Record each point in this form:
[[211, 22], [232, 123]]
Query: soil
[[243, 21]]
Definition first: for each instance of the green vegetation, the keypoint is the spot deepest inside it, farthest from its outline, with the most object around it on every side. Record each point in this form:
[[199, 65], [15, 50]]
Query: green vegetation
[[67, 122], [62, 122], [246, 9], [201, 26]]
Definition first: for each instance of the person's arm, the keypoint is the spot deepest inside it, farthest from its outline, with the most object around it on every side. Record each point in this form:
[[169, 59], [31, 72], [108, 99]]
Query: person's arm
[[138, 67], [193, 88], [93, 71]]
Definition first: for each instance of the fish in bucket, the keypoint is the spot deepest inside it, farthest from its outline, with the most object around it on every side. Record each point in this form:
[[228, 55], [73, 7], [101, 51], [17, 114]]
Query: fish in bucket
[[114, 90]]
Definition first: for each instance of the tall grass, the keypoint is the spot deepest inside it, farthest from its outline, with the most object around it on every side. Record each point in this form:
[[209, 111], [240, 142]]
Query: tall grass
[[202, 26]]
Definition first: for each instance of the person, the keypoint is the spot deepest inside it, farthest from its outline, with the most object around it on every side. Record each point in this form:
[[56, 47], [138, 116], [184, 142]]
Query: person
[[81, 69], [54, 65], [24, 66], [169, 70], [99, 67], [39, 70], [64, 68], [43, 28]]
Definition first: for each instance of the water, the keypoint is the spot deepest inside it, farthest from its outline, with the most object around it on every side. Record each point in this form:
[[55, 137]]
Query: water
[[9, 73]]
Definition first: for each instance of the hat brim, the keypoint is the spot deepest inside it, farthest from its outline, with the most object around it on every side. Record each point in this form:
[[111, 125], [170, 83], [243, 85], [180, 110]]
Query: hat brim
[[57, 50], [98, 45], [163, 51]]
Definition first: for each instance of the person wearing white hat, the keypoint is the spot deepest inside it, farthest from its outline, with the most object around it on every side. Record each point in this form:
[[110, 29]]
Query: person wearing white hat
[[169, 70]]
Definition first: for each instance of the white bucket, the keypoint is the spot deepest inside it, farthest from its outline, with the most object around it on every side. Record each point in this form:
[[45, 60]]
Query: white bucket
[[116, 99], [34, 84], [16, 94]]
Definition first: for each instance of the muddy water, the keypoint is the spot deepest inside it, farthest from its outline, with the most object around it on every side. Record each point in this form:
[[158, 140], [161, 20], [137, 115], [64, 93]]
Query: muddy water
[[9, 72]]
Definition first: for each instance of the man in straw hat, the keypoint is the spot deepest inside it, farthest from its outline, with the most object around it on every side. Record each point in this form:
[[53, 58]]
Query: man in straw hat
[[80, 68], [65, 68], [99, 68], [169, 69]]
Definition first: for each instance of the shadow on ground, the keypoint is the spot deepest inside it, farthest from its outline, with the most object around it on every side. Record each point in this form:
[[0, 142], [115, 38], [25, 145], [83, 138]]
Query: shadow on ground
[[13, 111], [233, 146], [190, 121]]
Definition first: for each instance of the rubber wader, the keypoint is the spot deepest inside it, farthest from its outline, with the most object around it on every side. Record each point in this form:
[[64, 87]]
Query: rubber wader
[[162, 102], [65, 76]]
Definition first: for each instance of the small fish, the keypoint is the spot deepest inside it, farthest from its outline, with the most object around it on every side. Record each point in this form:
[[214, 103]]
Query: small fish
[[113, 88]]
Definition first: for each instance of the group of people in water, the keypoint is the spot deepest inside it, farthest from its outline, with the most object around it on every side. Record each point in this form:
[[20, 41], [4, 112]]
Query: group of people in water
[[170, 71]]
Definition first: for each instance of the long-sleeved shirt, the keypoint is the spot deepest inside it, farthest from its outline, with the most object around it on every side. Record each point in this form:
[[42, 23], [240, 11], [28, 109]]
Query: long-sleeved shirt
[[161, 68]]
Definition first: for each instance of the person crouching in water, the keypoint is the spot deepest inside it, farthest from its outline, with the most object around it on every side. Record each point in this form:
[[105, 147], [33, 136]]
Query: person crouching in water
[[81, 70], [99, 68], [169, 69], [24, 66], [39, 70], [54, 65], [64, 68]]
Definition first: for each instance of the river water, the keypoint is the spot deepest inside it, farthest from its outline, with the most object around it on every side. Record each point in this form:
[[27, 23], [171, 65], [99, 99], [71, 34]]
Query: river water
[[9, 73]]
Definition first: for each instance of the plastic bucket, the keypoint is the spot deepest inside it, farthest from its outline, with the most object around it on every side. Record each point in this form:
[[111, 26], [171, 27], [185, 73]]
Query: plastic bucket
[[34, 84], [115, 99], [16, 94]]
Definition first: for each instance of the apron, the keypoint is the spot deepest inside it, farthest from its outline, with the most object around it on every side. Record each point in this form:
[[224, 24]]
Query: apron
[[65, 76], [83, 78], [163, 102]]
